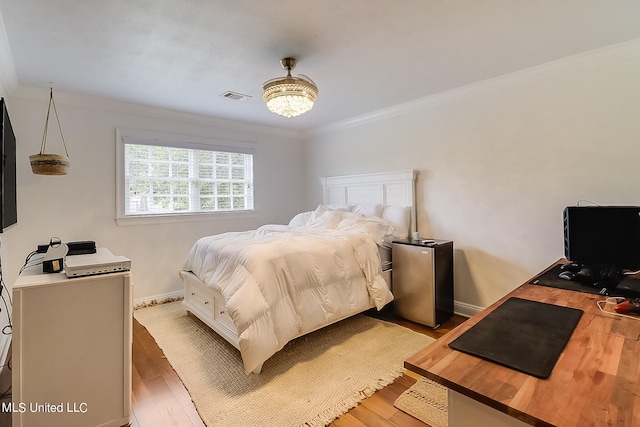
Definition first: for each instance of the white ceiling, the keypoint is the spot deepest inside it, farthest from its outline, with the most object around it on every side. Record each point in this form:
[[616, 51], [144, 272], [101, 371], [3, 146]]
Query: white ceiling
[[364, 55]]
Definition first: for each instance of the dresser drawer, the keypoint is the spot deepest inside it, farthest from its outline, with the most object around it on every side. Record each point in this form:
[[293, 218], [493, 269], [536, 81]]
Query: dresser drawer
[[209, 303], [220, 313], [201, 299]]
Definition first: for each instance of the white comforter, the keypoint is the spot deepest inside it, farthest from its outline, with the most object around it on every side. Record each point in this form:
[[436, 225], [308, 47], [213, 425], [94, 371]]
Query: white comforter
[[280, 281]]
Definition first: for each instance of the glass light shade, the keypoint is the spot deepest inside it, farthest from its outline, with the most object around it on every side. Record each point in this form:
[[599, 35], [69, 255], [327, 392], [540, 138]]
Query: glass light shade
[[289, 96]]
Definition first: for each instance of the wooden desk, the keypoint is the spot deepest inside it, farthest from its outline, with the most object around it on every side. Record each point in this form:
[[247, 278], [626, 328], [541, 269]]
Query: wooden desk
[[596, 381]]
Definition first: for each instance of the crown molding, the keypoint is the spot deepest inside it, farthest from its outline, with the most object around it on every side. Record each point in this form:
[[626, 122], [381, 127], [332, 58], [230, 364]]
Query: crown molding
[[8, 77], [107, 104], [561, 66]]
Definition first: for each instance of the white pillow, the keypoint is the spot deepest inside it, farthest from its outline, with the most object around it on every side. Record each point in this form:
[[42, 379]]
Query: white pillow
[[304, 218], [368, 209], [321, 209], [301, 219], [399, 217], [323, 218], [381, 230]]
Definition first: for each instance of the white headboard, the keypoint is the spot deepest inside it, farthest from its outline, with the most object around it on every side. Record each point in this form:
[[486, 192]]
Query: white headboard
[[387, 188]]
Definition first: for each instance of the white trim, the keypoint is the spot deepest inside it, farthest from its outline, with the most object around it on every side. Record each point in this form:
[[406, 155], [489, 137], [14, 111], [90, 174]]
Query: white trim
[[108, 104], [158, 299], [571, 63], [460, 308], [466, 310], [185, 217]]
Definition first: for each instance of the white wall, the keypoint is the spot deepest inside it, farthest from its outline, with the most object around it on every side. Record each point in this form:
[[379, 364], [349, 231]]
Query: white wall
[[497, 167], [81, 205]]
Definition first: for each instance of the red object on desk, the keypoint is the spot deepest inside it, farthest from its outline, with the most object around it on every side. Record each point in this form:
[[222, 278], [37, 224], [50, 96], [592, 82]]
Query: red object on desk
[[627, 306]]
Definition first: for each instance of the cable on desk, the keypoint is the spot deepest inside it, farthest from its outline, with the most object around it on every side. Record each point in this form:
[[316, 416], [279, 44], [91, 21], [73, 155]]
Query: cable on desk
[[614, 301], [582, 201]]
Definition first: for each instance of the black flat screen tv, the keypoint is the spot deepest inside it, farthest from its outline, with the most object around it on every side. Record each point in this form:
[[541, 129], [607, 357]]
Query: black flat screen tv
[[9, 208], [603, 235]]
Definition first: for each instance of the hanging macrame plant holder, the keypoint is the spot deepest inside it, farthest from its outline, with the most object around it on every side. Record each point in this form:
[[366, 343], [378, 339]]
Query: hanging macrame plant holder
[[50, 164]]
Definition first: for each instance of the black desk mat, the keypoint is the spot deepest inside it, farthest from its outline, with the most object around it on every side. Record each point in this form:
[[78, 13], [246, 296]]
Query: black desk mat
[[524, 335]]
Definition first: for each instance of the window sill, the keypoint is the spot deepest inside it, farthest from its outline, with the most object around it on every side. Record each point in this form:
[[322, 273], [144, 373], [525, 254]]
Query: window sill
[[124, 221]]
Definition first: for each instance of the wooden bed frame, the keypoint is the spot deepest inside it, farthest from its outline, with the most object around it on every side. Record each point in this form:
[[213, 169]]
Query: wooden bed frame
[[392, 188]]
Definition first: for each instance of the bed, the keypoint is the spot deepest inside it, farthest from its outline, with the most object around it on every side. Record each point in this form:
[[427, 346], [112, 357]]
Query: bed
[[259, 289]]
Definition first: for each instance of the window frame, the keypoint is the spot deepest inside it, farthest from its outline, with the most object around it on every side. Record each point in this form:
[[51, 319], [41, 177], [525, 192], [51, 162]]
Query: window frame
[[132, 136]]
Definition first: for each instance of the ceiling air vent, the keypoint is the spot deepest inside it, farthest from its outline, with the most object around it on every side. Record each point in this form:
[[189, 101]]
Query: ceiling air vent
[[235, 96]]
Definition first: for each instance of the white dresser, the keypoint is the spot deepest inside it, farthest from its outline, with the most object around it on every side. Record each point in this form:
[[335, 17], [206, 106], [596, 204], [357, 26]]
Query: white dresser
[[71, 349]]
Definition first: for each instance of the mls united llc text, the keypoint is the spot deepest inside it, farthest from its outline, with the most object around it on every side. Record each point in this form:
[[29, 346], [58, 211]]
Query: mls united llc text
[[35, 407]]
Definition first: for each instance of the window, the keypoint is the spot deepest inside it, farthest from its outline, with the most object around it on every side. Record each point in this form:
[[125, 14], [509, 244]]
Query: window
[[174, 175]]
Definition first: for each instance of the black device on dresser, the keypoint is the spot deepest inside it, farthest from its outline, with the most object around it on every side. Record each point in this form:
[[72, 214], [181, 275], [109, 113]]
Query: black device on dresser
[[422, 280]]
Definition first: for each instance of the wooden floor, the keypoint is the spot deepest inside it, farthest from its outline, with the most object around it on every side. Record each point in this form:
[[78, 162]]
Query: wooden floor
[[160, 399]]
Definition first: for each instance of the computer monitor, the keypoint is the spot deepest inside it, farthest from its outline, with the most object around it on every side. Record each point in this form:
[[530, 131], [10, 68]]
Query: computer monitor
[[603, 235]]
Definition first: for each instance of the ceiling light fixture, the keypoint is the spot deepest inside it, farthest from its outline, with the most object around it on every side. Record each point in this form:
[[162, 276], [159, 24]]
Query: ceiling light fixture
[[290, 96]]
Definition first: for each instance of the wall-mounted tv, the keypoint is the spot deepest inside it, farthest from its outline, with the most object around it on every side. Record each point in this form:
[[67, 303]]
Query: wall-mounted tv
[[9, 208]]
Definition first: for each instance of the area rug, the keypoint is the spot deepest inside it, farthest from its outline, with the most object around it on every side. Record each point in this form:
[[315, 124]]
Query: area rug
[[427, 401], [310, 382]]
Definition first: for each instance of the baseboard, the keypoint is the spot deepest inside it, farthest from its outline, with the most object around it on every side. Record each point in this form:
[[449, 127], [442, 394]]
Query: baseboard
[[158, 299], [466, 310], [459, 308]]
